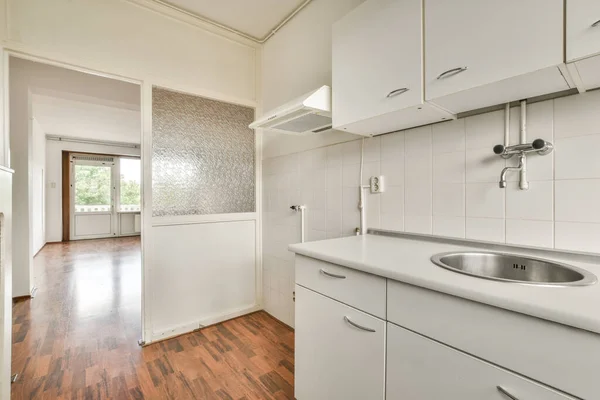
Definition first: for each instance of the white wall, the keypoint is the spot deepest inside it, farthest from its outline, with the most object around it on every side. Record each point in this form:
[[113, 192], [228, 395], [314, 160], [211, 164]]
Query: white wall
[[442, 180], [54, 151], [38, 166], [297, 60], [21, 138], [5, 283]]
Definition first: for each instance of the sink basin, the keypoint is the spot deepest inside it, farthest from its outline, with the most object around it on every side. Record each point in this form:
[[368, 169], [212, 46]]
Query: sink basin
[[514, 268]]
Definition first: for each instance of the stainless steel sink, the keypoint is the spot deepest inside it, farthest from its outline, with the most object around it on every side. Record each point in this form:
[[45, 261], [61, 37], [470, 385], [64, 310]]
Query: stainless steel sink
[[514, 268]]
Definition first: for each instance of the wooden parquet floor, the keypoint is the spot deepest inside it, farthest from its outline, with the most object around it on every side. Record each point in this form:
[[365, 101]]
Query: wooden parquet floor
[[77, 339]]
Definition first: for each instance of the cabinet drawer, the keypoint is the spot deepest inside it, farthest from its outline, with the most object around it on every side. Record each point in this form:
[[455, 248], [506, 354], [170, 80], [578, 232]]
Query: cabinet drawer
[[419, 368], [335, 360], [563, 357], [358, 289]]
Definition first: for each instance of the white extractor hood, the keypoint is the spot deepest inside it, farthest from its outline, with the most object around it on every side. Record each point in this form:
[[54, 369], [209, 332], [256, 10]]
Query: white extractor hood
[[306, 115]]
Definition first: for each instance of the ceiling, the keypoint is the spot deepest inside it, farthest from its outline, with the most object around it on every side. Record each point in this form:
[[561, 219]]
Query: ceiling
[[254, 18], [74, 104]]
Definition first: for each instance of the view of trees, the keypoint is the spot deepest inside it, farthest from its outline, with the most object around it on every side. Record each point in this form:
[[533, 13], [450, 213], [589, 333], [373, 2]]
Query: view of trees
[[92, 187]]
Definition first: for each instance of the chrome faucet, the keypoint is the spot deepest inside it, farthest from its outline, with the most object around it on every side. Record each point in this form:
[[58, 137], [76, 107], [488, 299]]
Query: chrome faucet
[[519, 168]]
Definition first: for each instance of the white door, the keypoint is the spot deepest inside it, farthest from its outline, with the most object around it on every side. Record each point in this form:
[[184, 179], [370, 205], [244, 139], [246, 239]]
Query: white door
[[340, 351], [583, 29], [92, 196]]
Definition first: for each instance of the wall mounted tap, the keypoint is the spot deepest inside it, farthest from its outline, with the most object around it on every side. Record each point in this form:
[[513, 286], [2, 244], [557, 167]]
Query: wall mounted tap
[[539, 146], [519, 168]]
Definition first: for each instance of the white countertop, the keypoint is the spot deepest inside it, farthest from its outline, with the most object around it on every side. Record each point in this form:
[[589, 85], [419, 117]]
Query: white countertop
[[408, 260]]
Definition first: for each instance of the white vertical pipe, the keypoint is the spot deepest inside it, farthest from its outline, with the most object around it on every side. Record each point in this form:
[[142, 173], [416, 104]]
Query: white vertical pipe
[[361, 192], [506, 124], [302, 208], [523, 184]]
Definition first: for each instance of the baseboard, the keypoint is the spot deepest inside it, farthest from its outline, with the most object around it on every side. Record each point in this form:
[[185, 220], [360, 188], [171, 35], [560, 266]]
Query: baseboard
[[41, 248], [203, 323]]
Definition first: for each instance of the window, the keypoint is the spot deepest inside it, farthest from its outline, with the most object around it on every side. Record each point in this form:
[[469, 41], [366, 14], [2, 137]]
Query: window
[[130, 184], [92, 188]]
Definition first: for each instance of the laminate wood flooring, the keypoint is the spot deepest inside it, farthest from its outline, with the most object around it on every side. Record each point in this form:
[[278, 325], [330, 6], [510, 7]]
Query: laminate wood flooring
[[77, 339]]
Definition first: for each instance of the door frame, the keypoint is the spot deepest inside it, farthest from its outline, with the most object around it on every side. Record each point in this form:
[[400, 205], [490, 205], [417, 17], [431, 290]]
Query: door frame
[[146, 178]]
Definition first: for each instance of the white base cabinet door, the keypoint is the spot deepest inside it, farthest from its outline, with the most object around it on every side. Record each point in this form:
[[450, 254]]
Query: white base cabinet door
[[419, 368], [340, 351]]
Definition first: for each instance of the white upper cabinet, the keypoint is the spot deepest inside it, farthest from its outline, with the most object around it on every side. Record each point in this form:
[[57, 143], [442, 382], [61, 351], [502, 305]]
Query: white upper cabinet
[[480, 53], [378, 69], [583, 29], [583, 42]]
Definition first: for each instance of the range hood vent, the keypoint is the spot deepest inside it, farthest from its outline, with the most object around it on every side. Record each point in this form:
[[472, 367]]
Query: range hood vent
[[308, 114]]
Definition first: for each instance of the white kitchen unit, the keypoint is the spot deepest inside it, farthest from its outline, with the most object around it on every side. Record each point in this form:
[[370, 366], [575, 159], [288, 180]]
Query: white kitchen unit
[[377, 67], [341, 350], [583, 42], [420, 368], [480, 53], [446, 335]]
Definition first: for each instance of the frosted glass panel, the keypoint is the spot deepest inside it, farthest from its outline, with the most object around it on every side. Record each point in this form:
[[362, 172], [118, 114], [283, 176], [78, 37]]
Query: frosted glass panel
[[202, 156]]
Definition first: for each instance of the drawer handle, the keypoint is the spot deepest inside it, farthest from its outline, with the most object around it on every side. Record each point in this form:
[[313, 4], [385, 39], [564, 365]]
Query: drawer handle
[[354, 324], [452, 72], [595, 24], [329, 274], [397, 92], [506, 393]]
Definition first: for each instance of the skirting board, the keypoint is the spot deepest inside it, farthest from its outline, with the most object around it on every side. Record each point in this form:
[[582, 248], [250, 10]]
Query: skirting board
[[187, 328]]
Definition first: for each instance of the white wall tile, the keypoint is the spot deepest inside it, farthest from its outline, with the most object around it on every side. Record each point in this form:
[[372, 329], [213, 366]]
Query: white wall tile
[[577, 157], [392, 146], [334, 223], [350, 198], [351, 152], [578, 200], [392, 201], [484, 200], [418, 140], [536, 203], [350, 221], [334, 155], [370, 169], [577, 115], [482, 165], [393, 170], [334, 198], [318, 219], [319, 200], [577, 236], [418, 224], [418, 199], [319, 158], [539, 168], [449, 136], [449, 226], [530, 233], [486, 229], [449, 199], [392, 222], [373, 210], [484, 130], [372, 150], [449, 167], [351, 175]]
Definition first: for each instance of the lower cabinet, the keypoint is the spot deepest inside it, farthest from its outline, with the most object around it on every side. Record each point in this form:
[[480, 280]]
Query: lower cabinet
[[420, 368], [340, 351]]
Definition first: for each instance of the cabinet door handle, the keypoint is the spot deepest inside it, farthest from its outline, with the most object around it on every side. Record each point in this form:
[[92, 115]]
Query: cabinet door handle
[[397, 92], [506, 393], [595, 24], [329, 274], [354, 324], [452, 72]]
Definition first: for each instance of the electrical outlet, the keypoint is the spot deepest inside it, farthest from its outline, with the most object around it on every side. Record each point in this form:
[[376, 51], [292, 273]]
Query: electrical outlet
[[377, 184]]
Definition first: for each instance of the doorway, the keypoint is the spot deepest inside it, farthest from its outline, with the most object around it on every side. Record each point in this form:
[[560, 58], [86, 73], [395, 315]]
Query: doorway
[[104, 196]]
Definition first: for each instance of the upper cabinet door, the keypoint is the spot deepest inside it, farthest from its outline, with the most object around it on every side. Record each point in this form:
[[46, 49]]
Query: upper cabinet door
[[583, 29], [472, 43], [377, 60]]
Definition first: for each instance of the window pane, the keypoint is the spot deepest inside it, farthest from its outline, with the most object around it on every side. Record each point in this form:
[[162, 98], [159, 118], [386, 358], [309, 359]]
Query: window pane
[[202, 156], [130, 184], [92, 188]]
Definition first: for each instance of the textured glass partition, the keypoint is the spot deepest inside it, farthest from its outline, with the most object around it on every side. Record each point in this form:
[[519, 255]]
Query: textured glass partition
[[202, 156]]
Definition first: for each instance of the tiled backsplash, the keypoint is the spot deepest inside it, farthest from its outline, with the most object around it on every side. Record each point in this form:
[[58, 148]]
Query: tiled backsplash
[[443, 180]]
